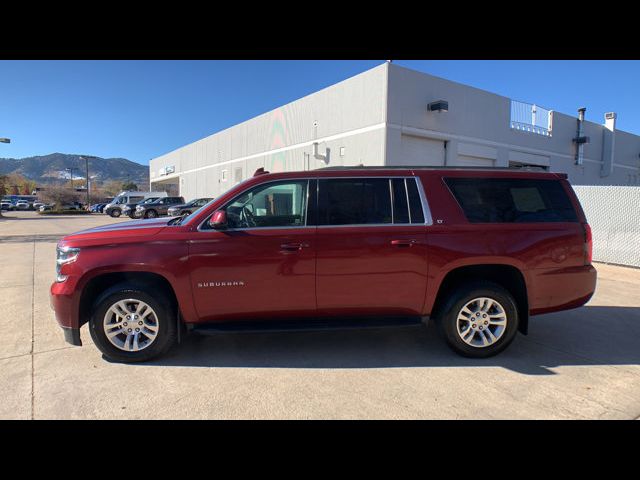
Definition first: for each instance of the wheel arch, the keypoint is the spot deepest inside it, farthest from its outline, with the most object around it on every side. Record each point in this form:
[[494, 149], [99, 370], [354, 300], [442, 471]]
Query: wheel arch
[[104, 283], [508, 276]]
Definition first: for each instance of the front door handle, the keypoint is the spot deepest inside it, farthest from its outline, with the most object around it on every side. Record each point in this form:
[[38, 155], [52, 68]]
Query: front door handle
[[294, 247], [403, 243]]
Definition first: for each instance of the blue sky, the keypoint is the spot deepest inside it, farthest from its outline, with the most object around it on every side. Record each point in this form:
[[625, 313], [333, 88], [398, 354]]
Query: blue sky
[[142, 109]]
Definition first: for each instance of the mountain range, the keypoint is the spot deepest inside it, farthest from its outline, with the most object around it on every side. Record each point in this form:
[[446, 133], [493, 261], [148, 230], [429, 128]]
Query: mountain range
[[53, 167]]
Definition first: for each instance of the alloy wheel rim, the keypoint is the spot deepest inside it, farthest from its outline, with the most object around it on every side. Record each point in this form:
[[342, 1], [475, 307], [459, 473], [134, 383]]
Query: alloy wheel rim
[[481, 322], [131, 325]]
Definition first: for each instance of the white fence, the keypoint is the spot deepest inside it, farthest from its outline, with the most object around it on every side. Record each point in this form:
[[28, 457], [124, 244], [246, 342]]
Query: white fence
[[614, 216]]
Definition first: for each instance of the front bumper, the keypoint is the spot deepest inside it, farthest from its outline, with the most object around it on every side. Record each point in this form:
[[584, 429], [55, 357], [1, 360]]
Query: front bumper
[[65, 305]]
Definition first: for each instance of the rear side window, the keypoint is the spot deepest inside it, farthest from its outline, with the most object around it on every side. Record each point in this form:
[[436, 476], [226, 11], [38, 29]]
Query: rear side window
[[369, 201], [354, 201], [512, 200]]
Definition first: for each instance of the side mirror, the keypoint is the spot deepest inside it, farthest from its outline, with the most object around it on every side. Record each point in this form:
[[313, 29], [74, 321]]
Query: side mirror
[[218, 221]]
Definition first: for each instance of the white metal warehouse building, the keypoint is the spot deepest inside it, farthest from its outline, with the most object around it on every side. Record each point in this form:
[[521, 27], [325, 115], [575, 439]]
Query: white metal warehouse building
[[391, 115]]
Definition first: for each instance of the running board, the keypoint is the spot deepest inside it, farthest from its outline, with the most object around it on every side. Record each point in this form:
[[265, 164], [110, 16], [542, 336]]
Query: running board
[[305, 325]]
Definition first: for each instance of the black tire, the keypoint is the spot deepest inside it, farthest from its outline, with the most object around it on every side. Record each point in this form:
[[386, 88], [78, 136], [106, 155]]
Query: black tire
[[150, 214], [115, 213], [185, 213], [166, 320], [457, 299]]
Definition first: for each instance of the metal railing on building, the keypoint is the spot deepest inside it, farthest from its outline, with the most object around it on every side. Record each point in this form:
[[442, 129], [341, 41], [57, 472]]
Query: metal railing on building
[[529, 117]]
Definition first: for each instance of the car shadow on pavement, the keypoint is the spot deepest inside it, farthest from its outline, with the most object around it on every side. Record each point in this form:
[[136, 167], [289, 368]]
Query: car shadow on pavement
[[588, 336]]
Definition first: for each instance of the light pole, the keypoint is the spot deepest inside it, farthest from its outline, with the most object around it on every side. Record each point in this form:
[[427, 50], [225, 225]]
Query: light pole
[[71, 169], [86, 159], [4, 140]]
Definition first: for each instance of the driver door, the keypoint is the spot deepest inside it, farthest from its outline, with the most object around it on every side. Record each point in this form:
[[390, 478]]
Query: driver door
[[263, 264]]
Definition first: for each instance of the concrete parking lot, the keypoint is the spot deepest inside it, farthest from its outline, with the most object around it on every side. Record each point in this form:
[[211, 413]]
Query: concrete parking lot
[[584, 363]]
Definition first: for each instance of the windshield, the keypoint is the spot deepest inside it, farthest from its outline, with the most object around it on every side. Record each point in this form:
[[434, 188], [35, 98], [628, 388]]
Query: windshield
[[148, 200]]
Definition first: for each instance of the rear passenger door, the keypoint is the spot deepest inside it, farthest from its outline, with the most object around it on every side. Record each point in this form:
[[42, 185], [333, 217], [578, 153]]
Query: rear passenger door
[[371, 246]]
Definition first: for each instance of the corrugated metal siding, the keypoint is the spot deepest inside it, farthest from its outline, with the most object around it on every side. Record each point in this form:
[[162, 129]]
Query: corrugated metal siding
[[614, 215]]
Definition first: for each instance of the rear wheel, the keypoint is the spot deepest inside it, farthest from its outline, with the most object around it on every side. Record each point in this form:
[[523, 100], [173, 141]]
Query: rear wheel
[[479, 319], [131, 325], [150, 214]]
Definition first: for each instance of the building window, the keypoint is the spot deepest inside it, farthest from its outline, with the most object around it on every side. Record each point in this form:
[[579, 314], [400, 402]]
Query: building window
[[223, 176], [342, 151], [237, 175]]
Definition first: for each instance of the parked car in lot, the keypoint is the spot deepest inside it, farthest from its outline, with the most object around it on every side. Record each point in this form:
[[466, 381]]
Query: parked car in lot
[[130, 208], [114, 208], [37, 205], [22, 205], [187, 208], [64, 206], [479, 251], [157, 208], [6, 205], [98, 207]]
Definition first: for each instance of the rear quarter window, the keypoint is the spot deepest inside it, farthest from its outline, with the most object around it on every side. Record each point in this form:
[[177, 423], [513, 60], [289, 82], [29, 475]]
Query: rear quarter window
[[512, 200]]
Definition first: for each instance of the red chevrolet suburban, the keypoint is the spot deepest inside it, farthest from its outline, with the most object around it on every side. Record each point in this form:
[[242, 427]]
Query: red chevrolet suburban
[[477, 250]]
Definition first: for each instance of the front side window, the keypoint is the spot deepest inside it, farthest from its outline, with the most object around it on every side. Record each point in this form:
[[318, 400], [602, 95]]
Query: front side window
[[277, 204]]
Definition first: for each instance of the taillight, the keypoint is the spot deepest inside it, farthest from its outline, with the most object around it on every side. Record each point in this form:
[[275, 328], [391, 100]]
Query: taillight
[[588, 244]]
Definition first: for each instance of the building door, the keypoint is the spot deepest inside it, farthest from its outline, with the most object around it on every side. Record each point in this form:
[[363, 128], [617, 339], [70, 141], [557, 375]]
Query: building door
[[263, 264], [420, 151], [371, 247]]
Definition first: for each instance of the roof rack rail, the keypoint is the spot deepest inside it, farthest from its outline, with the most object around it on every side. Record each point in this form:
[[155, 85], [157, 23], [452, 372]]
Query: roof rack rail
[[433, 167]]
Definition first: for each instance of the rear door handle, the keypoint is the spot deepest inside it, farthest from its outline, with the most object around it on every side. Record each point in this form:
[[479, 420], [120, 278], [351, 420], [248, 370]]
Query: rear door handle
[[293, 247], [403, 243]]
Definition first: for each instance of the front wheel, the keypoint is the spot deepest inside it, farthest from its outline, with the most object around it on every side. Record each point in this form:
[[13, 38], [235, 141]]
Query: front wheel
[[479, 320], [131, 325], [116, 213]]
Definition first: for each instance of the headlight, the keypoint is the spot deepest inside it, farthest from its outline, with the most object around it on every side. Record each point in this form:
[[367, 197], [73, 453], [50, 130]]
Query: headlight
[[64, 255]]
